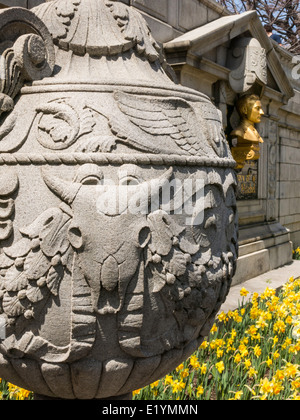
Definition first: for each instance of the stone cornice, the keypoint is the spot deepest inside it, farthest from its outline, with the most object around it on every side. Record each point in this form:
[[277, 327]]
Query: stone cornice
[[207, 37]]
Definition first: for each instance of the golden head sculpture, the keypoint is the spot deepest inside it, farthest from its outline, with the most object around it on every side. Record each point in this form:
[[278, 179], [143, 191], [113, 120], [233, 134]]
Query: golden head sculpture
[[245, 138]]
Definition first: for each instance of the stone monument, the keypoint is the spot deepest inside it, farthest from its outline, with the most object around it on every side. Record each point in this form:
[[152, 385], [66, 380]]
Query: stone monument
[[118, 208]]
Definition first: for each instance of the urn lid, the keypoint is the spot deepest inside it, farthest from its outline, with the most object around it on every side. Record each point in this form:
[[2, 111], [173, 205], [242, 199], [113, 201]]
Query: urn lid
[[98, 40]]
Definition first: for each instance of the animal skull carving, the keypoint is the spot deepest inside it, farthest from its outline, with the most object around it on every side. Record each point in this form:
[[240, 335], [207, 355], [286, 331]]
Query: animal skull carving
[[115, 259]]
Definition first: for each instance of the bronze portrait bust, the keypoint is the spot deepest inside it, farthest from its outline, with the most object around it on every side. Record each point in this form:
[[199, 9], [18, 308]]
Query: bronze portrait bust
[[245, 138]]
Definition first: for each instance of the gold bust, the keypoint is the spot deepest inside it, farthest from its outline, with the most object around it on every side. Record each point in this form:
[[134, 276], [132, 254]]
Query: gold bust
[[245, 138]]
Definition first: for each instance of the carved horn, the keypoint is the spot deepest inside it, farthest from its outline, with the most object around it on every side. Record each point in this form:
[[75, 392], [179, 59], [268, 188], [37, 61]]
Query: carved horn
[[149, 191], [65, 190]]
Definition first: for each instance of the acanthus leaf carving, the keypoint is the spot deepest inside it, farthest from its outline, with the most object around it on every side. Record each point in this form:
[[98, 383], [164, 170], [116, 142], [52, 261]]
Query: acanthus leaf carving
[[27, 53], [58, 16], [135, 30]]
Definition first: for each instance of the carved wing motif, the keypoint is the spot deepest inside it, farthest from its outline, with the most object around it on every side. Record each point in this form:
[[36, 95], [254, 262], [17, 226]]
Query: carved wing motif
[[172, 121]]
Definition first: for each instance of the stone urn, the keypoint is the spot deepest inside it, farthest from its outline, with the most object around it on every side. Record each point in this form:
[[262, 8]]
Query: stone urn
[[118, 211]]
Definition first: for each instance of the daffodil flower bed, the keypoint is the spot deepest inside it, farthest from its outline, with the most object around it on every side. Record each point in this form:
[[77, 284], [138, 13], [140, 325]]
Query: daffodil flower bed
[[251, 353]]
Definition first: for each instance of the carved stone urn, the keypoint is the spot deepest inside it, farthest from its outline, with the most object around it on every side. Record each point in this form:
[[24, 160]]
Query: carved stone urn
[[118, 212]]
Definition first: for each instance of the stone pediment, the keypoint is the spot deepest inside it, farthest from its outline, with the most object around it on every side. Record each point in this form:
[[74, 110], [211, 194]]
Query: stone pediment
[[195, 49]]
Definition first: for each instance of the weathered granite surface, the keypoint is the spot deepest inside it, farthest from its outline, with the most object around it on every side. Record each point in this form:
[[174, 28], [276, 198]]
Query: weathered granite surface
[[109, 277]]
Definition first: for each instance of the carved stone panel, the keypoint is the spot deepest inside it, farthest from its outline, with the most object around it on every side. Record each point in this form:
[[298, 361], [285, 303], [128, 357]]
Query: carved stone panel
[[248, 63], [272, 206], [248, 181]]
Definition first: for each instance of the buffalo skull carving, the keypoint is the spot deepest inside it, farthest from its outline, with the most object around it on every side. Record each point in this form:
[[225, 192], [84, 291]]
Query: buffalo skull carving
[[108, 238], [125, 257]]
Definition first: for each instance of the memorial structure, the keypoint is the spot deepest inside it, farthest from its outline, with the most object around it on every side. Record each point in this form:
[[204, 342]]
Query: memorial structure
[[227, 56], [118, 204]]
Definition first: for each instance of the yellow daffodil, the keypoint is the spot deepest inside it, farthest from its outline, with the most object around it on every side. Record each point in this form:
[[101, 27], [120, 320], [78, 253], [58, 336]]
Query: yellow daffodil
[[214, 329], [237, 395], [291, 370], [261, 323], [233, 334], [247, 363], [252, 330], [203, 368], [257, 351], [295, 384], [252, 372], [194, 362], [243, 350], [154, 384], [177, 386], [204, 345], [136, 392], [279, 326], [184, 373], [279, 375], [220, 353], [275, 340], [168, 380], [265, 386], [237, 358], [222, 317], [200, 390], [277, 388]]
